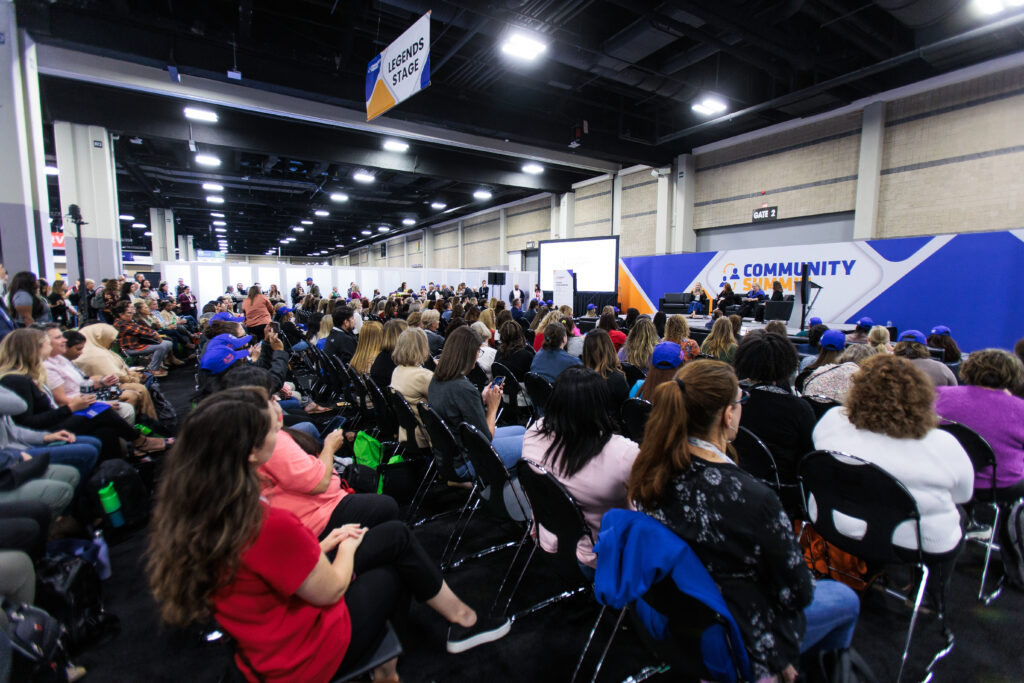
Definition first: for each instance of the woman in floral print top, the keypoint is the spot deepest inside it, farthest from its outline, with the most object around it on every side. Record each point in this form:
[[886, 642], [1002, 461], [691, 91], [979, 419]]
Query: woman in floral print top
[[736, 525]]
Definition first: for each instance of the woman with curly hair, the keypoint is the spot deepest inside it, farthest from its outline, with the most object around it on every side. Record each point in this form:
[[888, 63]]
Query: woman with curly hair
[[678, 330], [986, 405], [889, 420]]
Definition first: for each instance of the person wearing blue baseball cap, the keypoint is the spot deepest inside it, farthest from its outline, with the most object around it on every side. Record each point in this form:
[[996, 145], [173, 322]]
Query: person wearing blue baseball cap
[[830, 374], [913, 346], [223, 351], [591, 311], [942, 338], [815, 320], [860, 334], [665, 360]]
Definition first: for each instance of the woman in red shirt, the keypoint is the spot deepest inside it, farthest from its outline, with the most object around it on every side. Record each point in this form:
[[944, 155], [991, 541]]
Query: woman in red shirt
[[217, 548]]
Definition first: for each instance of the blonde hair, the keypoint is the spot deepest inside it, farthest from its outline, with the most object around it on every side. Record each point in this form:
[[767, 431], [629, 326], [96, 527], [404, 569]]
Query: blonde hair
[[412, 348], [322, 306], [19, 355], [326, 325], [720, 339], [565, 309], [641, 342], [676, 328], [487, 318], [552, 317], [878, 338], [370, 336]]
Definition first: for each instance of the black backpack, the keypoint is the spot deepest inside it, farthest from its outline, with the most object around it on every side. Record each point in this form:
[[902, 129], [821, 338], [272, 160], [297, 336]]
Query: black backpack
[[1011, 545], [38, 640], [131, 490], [69, 589]]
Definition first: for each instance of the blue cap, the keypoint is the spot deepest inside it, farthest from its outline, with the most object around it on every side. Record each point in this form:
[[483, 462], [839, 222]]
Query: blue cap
[[667, 355], [591, 307], [223, 351], [865, 322], [913, 335], [814, 321], [941, 329], [309, 279], [224, 315], [283, 310], [549, 302], [834, 340]]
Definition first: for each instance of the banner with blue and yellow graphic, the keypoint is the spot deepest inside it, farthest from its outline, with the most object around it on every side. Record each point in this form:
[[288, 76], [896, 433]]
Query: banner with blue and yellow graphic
[[400, 71]]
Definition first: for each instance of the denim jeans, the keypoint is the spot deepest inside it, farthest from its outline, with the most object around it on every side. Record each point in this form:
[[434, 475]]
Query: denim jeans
[[307, 428], [507, 442], [82, 455], [831, 617], [301, 346], [696, 307], [159, 352]]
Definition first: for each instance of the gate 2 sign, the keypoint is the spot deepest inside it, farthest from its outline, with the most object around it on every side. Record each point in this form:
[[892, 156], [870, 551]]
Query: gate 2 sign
[[400, 71], [766, 213]]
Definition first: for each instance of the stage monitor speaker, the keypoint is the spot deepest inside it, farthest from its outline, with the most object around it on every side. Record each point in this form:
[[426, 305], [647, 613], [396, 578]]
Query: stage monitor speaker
[[496, 278], [804, 293]]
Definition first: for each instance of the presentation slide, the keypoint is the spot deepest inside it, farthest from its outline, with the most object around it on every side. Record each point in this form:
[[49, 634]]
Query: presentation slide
[[594, 261]]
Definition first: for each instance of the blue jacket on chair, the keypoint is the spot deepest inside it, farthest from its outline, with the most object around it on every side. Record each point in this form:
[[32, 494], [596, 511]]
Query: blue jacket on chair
[[634, 553]]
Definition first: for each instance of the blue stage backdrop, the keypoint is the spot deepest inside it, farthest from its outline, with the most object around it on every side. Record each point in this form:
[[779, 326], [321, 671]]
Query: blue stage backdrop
[[967, 282]]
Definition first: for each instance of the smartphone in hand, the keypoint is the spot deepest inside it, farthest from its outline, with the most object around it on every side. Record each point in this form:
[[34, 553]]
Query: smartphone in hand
[[497, 381]]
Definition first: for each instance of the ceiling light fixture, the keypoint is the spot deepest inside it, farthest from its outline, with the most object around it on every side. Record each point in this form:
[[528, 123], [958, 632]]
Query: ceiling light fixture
[[321, 213], [220, 223], [284, 241], [52, 170], [214, 199], [207, 160], [367, 232], [396, 146], [482, 194], [523, 47], [339, 197], [213, 187], [709, 106], [296, 228], [362, 177], [989, 6], [148, 233], [306, 222], [216, 215], [438, 205], [533, 168], [126, 217], [220, 229], [139, 225], [200, 115], [408, 221], [383, 228]]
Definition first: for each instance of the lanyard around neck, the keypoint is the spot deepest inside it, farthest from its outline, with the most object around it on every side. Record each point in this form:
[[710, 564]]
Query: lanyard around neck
[[708, 446]]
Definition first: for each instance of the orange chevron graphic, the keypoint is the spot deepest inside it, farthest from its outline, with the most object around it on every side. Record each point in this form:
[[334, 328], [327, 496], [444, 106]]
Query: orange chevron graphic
[[630, 294], [380, 101]]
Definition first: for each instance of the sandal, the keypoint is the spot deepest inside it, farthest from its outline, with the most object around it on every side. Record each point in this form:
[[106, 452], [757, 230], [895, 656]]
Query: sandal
[[153, 445]]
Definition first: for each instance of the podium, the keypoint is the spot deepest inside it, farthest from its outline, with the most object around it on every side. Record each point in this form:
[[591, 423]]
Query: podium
[[802, 307]]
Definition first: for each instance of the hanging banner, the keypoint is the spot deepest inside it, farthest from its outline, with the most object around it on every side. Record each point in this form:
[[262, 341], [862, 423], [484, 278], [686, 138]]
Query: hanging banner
[[400, 71]]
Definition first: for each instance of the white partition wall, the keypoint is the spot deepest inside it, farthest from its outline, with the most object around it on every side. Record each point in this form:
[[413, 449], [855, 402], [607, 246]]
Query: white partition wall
[[209, 280]]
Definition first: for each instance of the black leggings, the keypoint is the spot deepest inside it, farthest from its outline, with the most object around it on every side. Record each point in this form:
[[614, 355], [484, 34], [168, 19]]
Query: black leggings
[[25, 525], [390, 565], [368, 509]]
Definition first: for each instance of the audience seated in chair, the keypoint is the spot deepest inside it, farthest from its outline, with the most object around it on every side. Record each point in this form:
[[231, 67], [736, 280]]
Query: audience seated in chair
[[410, 379], [384, 365], [721, 343], [684, 478], [599, 356], [912, 346], [552, 357], [639, 344], [665, 361]]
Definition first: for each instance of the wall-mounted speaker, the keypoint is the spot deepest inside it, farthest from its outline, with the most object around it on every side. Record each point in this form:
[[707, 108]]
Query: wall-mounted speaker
[[496, 278]]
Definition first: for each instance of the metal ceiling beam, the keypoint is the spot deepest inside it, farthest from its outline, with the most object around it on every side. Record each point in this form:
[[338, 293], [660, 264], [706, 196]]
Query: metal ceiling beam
[[80, 66]]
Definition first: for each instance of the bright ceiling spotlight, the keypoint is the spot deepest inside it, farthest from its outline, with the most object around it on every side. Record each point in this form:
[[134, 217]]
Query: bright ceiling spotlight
[[126, 217], [523, 47], [139, 225], [207, 160], [306, 222], [200, 115], [297, 228], [482, 194], [438, 205], [339, 197], [214, 199], [213, 187], [383, 228], [216, 215], [52, 170], [220, 229], [148, 233], [284, 241], [321, 213], [533, 168], [367, 232], [220, 222], [408, 221], [396, 146], [709, 106], [362, 177], [989, 6]]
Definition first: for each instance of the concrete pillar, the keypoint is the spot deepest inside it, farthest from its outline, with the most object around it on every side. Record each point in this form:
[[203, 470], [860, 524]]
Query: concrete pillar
[[462, 247], [428, 248], [85, 157], [566, 216], [869, 171], [405, 251], [24, 201], [554, 216], [684, 238], [617, 204], [161, 224], [186, 252], [502, 235], [663, 217]]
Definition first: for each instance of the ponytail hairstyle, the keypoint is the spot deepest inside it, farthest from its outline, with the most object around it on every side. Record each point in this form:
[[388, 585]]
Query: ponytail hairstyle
[[688, 405], [554, 336]]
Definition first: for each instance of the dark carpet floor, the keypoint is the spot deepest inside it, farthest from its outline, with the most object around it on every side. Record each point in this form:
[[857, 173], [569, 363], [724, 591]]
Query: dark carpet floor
[[545, 646]]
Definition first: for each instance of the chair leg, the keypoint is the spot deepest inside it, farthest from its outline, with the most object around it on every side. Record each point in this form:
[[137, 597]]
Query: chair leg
[[474, 499], [429, 477], [989, 545], [913, 619], [508, 572], [608, 645], [519, 580], [579, 663]]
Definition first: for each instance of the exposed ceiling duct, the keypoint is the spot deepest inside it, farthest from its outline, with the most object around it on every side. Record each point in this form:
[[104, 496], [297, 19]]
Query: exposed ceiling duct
[[920, 13]]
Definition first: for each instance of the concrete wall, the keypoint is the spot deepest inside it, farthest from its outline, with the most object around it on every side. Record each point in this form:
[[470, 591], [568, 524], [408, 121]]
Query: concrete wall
[[446, 247], [593, 211], [480, 241], [529, 222], [639, 213]]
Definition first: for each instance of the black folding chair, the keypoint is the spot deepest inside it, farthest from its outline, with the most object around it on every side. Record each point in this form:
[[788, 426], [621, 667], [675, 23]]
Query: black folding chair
[[559, 513], [633, 374], [834, 483], [406, 419], [982, 456], [387, 424], [635, 412], [756, 458], [538, 390], [447, 455], [820, 405], [512, 390]]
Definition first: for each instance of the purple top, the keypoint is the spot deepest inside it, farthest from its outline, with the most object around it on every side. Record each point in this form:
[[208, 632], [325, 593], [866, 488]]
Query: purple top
[[996, 416]]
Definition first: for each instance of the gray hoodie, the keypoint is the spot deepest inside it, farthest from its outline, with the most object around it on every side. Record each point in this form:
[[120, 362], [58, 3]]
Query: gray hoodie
[[12, 435]]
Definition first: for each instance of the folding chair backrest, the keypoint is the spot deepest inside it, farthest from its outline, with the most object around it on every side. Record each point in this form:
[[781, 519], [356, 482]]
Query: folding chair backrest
[[538, 388], [403, 413], [850, 486], [820, 405], [978, 449], [756, 458], [511, 388], [633, 374], [442, 441], [382, 410], [554, 509], [635, 412], [490, 471]]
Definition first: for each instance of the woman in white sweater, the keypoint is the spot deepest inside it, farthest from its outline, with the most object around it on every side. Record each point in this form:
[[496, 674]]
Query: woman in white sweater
[[889, 420]]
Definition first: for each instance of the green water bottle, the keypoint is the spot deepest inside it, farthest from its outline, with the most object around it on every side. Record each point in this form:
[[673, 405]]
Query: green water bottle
[[144, 430], [111, 503]]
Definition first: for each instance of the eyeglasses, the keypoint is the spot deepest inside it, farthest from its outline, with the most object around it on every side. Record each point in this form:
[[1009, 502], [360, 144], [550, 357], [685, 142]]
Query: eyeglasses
[[744, 397]]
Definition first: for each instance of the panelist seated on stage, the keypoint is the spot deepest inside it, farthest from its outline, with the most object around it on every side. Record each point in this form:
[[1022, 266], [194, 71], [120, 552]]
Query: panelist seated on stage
[[726, 297], [755, 296]]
